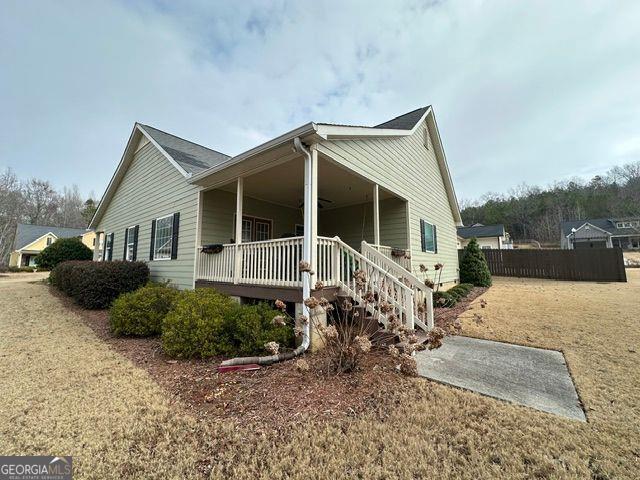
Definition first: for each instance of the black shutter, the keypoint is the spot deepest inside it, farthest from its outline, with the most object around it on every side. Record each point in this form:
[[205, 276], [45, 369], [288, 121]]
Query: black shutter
[[174, 238], [153, 239], [111, 247], [435, 239], [126, 235], [135, 243], [422, 239]]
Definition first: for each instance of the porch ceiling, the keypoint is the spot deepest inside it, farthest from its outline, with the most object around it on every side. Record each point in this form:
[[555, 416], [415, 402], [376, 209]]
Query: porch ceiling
[[284, 184]]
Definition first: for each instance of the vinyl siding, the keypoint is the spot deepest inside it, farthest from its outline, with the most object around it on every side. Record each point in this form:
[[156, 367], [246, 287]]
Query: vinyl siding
[[405, 167], [219, 208], [152, 188], [355, 223]]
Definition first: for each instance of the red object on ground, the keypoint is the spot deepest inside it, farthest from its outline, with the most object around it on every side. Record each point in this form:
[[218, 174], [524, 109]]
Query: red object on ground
[[238, 368]]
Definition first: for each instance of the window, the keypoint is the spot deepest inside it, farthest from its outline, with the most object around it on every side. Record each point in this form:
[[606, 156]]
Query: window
[[619, 225], [131, 243], [108, 247], [428, 237], [163, 238], [255, 229], [486, 247], [49, 241], [93, 243]]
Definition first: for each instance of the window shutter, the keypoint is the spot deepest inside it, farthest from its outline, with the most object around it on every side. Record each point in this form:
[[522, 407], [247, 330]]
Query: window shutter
[[126, 236], [135, 243], [153, 239], [435, 239], [174, 239], [422, 239], [111, 247]]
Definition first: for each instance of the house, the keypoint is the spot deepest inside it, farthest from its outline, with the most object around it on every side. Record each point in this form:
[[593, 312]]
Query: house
[[340, 197], [488, 236], [30, 240], [623, 232]]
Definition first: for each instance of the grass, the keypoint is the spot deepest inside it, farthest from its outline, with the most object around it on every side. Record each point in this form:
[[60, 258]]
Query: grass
[[65, 392]]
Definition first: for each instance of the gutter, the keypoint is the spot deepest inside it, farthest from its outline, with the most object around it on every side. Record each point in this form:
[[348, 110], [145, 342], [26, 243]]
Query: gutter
[[306, 291]]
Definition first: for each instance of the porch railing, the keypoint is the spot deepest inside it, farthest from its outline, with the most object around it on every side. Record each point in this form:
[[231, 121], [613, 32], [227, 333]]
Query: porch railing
[[403, 260], [422, 295], [270, 262], [275, 263]]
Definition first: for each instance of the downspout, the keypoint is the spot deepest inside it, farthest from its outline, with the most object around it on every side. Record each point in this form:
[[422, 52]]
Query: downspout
[[306, 280]]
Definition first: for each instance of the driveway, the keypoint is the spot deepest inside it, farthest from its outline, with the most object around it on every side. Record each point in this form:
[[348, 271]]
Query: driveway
[[22, 277]]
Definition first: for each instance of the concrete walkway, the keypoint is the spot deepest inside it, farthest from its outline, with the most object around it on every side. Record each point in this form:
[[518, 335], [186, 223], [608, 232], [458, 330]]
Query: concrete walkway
[[533, 377]]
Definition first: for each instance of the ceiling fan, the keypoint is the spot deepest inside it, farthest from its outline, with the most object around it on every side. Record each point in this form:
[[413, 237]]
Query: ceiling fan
[[320, 201]]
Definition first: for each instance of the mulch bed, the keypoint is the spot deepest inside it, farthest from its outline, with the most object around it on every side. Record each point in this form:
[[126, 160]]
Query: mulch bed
[[272, 397], [446, 317]]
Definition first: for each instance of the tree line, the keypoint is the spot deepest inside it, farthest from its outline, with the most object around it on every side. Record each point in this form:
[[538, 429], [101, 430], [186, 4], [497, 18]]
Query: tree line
[[530, 212], [35, 201]]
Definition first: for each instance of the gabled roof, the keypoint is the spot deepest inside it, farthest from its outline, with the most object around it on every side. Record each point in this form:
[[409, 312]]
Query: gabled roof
[[606, 224], [406, 121], [26, 233], [481, 231], [192, 157]]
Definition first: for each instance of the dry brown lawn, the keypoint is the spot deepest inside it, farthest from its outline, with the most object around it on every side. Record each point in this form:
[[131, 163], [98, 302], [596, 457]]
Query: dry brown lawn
[[66, 392]]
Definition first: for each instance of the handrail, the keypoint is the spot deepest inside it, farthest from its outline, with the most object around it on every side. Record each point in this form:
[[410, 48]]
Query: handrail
[[422, 293]]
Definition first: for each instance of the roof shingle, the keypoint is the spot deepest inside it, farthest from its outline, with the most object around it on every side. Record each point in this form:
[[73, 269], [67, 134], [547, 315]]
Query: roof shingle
[[26, 233]]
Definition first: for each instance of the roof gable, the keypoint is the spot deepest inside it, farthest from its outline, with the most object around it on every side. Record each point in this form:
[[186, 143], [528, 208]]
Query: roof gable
[[406, 121], [26, 234], [191, 157]]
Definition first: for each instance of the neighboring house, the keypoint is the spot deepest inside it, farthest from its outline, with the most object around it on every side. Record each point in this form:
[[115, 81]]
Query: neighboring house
[[601, 233], [30, 240], [488, 236], [338, 196]]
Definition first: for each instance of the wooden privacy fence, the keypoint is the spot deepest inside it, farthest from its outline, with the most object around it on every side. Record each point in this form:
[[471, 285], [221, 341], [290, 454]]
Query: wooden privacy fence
[[591, 265]]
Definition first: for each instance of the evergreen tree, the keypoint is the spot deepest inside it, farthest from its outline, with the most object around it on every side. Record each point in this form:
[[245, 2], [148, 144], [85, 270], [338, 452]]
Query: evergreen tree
[[473, 266]]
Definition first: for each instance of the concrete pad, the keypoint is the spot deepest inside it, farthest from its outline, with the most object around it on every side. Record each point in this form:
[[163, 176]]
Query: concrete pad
[[533, 377]]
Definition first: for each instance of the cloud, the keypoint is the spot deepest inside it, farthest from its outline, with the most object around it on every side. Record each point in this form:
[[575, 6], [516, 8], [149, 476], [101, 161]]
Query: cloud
[[522, 92]]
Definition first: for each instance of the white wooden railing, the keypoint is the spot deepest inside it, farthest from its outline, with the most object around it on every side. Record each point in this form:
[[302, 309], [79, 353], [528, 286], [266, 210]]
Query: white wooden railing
[[275, 263], [270, 262], [422, 295], [404, 261], [378, 281]]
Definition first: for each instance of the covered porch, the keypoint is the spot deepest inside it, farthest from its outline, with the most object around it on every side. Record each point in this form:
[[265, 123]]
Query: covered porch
[[266, 247]]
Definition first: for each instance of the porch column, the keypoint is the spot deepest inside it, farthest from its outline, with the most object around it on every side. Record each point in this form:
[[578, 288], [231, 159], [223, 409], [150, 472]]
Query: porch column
[[376, 214], [238, 238], [96, 247], [310, 242]]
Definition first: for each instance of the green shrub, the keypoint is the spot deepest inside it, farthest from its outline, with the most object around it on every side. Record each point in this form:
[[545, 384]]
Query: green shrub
[[95, 285], [443, 299], [140, 313], [204, 323], [194, 327], [62, 250], [473, 266], [249, 327]]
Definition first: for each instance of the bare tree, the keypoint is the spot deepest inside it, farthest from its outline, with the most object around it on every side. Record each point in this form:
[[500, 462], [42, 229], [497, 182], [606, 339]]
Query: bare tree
[[41, 202], [11, 207]]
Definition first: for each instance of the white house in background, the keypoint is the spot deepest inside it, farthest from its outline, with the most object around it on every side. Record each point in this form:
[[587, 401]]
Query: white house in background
[[340, 197], [601, 233], [488, 236]]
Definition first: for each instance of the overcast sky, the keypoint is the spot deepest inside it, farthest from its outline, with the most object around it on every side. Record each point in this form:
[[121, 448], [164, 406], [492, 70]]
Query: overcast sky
[[523, 91]]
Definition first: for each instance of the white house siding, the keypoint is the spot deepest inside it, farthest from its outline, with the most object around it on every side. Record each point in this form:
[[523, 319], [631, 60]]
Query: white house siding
[[219, 208], [405, 167], [152, 188], [354, 223]]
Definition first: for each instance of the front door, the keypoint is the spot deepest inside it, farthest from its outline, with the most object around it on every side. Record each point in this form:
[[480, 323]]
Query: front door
[[255, 229]]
